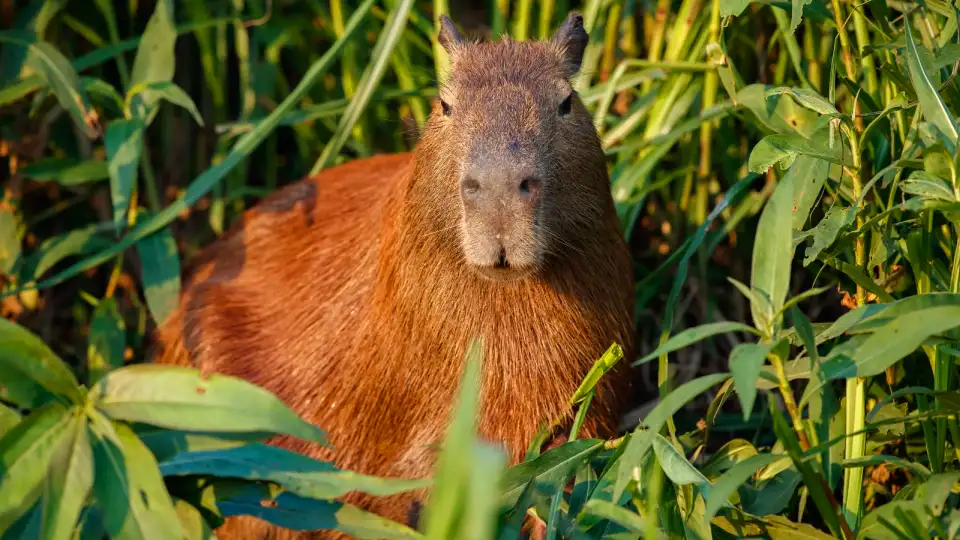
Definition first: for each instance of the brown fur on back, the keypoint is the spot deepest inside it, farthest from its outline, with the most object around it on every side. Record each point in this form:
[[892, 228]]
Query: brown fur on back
[[346, 294]]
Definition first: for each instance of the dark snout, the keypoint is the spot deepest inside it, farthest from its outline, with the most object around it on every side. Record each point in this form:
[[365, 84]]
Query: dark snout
[[500, 205]]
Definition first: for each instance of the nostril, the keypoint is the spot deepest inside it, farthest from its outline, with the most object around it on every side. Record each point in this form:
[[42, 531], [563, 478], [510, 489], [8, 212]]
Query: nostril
[[470, 186], [502, 259], [529, 185]]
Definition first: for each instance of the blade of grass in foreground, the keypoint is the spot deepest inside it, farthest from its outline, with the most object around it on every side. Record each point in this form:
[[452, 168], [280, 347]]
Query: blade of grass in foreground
[[205, 182]]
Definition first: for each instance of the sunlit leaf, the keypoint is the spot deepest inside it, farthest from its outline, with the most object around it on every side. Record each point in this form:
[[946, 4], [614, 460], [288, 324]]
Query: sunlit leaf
[[155, 60], [124, 144], [9, 240], [68, 481], [30, 373], [693, 335], [773, 251], [746, 361], [926, 80], [107, 340], [160, 268], [182, 398]]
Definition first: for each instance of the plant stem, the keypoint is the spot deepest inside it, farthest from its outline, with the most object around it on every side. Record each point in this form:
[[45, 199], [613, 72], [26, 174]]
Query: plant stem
[[856, 394]]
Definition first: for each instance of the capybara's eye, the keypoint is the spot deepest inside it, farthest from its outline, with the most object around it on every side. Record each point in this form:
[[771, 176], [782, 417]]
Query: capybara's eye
[[446, 107], [565, 105]]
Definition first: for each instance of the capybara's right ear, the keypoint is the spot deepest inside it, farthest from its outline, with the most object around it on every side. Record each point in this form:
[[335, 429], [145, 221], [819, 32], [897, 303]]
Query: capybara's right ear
[[449, 36]]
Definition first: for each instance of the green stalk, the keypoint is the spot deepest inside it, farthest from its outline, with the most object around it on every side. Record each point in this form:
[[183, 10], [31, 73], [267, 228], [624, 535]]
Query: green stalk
[[521, 22], [867, 64], [655, 47], [710, 87], [241, 44], [440, 60], [500, 12], [348, 63], [545, 24], [856, 387]]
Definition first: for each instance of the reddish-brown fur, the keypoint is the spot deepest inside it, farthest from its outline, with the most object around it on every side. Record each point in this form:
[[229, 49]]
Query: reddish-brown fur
[[348, 296]]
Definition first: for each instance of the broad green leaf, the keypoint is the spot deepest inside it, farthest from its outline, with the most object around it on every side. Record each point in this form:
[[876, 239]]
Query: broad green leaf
[[773, 527], [453, 465], [129, 489], [746, 361], [124, 144], [891, 342], [67, 172], [727, 456], [693, 335], [25, 453], [926, 80], [676, 466], [731, 480], [617, 514], [9, 241], [774, 494], [8, 419], [30, 373], [773, 251], [177, 397], [297, 473], [56, 71], [606, 362], [872, 316], [547, 469], [783, 149], [212, 176], [161, 90], [806, 176], [825, 233], [777, 112], [301, 514], [807, 97], [733, 7], [928, 186], [878, 459], [107, 340], [155, 60], [68, 481], [168, 443], [160, 267]]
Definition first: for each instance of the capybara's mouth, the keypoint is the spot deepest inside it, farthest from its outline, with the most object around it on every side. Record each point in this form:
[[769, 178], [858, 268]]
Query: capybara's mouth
[[503, 272]]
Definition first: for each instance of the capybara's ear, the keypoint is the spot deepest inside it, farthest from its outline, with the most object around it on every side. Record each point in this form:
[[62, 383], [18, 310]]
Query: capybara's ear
[[449, 36], [571, 40]]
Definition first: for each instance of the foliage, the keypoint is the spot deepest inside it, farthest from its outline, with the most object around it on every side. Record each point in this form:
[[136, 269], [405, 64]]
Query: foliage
[[823, 134]]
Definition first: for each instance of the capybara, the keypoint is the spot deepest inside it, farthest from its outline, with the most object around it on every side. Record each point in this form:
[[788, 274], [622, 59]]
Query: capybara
[[354, 294]]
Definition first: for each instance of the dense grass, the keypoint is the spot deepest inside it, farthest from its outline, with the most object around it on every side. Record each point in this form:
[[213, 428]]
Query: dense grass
[[786, 174]]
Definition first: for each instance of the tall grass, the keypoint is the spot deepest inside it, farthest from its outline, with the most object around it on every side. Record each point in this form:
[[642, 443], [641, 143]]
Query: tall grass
[[737, 133]]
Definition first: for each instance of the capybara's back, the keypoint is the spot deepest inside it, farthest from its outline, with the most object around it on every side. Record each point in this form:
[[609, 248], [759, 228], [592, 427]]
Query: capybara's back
[[353, 295]]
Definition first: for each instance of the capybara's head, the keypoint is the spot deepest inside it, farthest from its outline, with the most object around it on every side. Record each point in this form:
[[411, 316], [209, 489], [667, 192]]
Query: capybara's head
[[521, 163]]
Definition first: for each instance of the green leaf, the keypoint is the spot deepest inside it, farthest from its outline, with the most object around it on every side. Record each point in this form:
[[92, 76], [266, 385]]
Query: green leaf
[[891, 342], [8, 419], [452, 468], [124, 144], [783, 149], [9, 241], [68, 481], [617, 514], [928, 186], [693, 335], [389, 37], [107, 340], [177, 397], [129, 489], [825, 233], [297, 473], [676, 466], [548, 469], [733, 7], [480, 519], [746, 361], [796, 13], [53, 250], [727, 484], [606, 362], [925, 80], [773, 250], [155, 60], [809, 98], [773, 495], [807, 176], [67, 172], [160, 267], [162, 90], [25, 453], [639, 443], [167, 443], [56, 71], [301, 514], [192, 522], [30, 372]]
